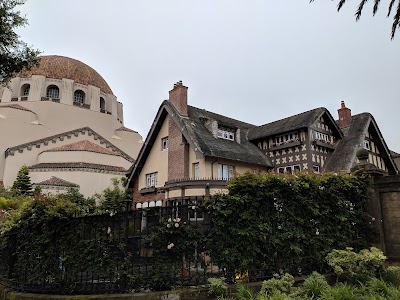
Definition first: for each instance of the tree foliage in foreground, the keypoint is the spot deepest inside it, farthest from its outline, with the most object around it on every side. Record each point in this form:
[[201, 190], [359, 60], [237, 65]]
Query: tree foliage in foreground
[[392, 4], [15, 55]]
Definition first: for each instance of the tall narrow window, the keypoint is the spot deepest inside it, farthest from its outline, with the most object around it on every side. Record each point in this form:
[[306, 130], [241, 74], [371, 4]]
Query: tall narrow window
[[53, 92], [225, 172], [164, 143], [79, 97], [102, 105], [196, 171]]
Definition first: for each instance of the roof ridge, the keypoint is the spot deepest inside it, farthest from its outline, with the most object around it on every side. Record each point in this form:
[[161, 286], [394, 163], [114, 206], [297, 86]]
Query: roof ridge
[[77, 165], [87, 146], [236, 120], [45, 140], [56, 181], [304, 112], [17, 106]]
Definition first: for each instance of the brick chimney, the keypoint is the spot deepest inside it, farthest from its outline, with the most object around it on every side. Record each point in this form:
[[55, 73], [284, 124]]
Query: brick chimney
[[344, 115], [178, 98]]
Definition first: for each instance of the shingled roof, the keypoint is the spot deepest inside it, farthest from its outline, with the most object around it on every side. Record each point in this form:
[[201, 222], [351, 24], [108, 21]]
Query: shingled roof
[[84, 145], [291, 123], [344, 156], [55, 181], [202, 140], [208, 145]]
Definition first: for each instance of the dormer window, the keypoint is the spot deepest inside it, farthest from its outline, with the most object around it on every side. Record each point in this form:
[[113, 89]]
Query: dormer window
[[226, 133]]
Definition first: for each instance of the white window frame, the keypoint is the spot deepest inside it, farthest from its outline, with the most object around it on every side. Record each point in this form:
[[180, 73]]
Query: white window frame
[[151, 179], [316, 168], [286, 138], [164, 143], [226, 172], [226, 135], [367, 145]]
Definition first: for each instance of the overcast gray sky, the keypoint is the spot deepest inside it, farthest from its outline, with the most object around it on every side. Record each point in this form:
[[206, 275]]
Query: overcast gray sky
[[255, 60]]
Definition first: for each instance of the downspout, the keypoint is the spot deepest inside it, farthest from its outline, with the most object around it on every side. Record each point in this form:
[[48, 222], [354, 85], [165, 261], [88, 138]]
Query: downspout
[[212, 169]]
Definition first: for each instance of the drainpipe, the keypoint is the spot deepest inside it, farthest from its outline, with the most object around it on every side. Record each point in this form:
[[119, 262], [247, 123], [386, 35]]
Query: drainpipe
[[212, 169]]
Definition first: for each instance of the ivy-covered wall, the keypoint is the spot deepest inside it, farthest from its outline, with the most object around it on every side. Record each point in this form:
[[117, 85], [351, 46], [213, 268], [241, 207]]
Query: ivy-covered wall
[[288, 223]]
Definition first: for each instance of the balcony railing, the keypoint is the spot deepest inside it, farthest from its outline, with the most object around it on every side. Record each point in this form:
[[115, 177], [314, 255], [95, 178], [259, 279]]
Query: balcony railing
[[193, 182], [83, 105]]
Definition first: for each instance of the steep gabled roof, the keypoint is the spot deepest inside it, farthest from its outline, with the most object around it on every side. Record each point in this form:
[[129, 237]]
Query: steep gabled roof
[[291, 123], [201, 139], [344, 156], [84, 145], [55, 181]]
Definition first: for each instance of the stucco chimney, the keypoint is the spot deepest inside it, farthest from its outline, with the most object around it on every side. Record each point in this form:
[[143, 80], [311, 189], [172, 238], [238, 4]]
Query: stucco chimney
[[344, 115], [178, 97]]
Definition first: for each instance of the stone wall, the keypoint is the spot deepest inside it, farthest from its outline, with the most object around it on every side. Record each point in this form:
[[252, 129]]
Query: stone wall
[[386, 200]]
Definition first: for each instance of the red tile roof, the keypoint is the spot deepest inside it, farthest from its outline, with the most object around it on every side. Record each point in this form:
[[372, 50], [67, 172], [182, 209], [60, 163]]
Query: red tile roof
[[77, 165], [83, 146], [16, 106], [55, 181], [59, 67]]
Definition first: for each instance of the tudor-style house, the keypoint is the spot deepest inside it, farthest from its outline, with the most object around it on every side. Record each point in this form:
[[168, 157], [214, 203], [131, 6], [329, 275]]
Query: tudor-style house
[[194, 152]]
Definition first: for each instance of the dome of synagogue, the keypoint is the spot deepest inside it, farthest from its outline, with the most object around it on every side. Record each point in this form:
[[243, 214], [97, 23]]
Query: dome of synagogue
[[59, 67]]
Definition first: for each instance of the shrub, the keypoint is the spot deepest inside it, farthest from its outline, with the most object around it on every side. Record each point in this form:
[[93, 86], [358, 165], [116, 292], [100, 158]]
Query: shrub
[[245, 293], [314, 285], [392, 275], [218, 287], [356, 266], [340, 292], [276, 284]]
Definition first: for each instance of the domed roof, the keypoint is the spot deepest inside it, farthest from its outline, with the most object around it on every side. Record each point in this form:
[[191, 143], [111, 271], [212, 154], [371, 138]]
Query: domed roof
[[54, 66]]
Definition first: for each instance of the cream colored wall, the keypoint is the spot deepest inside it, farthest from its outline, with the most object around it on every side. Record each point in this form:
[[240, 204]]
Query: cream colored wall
[[157, 161], [58, 118], [89, 182], [83, 156], [38, 89], [197, 158], [211, 166]]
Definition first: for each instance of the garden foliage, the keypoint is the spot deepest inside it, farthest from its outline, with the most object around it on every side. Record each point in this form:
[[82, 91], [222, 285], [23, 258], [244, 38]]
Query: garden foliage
[[280, 222]]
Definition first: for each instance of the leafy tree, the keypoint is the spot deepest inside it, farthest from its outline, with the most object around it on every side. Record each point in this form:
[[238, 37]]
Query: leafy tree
[[15, 55], [22, 185], [396, 18], [113, 199]]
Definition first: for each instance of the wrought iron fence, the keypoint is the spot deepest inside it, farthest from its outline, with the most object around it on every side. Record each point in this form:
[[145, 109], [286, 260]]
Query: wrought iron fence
[[153, 248], [108, 253]]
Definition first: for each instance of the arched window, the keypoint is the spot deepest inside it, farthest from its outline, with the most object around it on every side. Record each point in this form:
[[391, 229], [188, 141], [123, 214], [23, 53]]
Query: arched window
[[102, 105], [53, 92], [25, 89], [79, 97]]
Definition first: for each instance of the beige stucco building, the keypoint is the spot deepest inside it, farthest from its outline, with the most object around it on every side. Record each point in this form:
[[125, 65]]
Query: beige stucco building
[[63, 121]]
